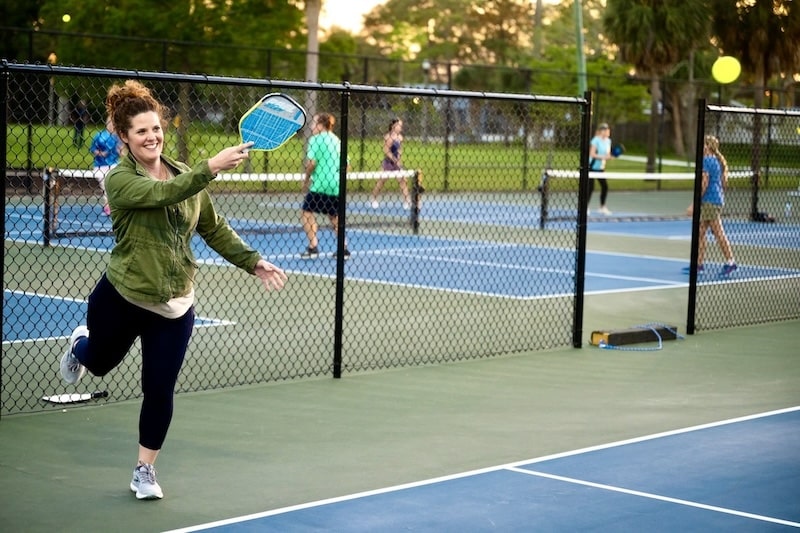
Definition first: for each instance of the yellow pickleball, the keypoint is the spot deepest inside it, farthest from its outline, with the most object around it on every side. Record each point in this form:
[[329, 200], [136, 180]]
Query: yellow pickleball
[[66, 17], [726, 69]]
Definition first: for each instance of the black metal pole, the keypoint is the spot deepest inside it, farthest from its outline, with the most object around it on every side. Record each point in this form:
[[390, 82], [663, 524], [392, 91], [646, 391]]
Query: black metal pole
[[583, 200], [698, 186], [340, 237], [3, 162]]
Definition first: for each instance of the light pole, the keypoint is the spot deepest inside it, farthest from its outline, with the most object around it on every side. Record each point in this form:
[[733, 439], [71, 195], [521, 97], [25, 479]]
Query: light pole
[[51, 114], [579, 46], [426, 69]]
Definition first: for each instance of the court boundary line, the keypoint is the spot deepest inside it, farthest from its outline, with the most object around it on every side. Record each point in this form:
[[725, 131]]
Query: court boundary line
[[508, 466], [210, 322], [219, 262], [652, 496], [411, 252]]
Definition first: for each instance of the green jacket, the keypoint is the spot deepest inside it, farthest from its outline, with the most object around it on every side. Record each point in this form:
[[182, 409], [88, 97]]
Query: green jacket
[[153, 221]]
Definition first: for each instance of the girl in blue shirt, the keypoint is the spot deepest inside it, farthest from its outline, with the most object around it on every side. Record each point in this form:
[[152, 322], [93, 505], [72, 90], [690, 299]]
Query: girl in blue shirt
[[715, 180]]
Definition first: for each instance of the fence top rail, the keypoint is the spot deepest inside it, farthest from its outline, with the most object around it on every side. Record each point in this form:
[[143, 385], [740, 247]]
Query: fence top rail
[[60, 70], [753, 111]]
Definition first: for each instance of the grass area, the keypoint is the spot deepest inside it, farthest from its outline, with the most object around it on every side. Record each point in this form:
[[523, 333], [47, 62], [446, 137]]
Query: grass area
[[453, 167]]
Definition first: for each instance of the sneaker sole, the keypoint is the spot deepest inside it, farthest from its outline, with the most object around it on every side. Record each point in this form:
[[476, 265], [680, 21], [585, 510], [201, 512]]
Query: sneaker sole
[[148, 496], [66, 375], [142, 496]]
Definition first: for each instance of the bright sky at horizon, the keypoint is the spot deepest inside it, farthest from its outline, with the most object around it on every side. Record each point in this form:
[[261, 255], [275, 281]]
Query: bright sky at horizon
[[346, 14], [349, 14]]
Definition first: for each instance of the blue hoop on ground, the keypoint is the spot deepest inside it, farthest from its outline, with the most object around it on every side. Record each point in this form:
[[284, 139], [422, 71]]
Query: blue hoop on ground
[[653, 326]]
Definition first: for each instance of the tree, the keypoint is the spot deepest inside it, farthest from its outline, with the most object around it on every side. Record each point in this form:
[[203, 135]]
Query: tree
[[313, 8], [340, 48], [471, 31], [763, 35], [156, 30], [20, 14], [654, 36]]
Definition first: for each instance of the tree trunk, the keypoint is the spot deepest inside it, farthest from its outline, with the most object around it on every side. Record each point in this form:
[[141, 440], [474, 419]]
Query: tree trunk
[[313, 8], [677, 114], [652, 132]]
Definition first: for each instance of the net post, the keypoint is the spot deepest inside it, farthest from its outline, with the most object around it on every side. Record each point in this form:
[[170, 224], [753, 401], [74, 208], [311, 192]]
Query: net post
[[416, 195], [544, 193], [47, 180], [755, 216]]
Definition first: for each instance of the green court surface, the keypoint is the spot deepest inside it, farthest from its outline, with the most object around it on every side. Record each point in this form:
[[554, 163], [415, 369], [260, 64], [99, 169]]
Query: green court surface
[[248, 450]]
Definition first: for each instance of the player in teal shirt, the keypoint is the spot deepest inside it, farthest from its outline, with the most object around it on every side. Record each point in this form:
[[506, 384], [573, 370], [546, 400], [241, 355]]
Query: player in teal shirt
[[321, 184]]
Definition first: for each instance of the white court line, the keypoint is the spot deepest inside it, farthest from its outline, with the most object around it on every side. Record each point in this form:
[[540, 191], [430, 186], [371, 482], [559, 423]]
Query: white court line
[[652, 496], [509, 466], [412, 252], [209, 322]]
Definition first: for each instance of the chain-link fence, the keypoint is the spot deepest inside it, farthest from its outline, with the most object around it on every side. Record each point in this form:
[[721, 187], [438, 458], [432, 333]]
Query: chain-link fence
[[618, 97], [456, 270], [760, 223]]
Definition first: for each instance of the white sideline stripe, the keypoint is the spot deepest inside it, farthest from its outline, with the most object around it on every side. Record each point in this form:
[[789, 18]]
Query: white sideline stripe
[[652, 496], [639, 176], [80, 173], [209, 321], [241, 176], [508, 466]]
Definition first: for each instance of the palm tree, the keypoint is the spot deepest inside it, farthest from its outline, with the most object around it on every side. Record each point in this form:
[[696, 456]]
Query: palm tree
[[762, 34], [654, 36]]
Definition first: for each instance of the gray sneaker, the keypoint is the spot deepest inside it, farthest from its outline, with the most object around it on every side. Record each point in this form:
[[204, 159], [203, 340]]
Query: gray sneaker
[[310, 253], [71, 369], [144, 483]]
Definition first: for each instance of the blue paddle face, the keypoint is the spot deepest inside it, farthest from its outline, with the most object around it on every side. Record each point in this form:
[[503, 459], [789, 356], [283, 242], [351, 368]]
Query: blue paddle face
[[271, 122], [617, 150]]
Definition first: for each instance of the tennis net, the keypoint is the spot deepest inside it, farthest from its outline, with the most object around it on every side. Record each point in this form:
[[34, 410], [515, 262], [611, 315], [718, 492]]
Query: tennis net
[[646, 196], [72, 207]]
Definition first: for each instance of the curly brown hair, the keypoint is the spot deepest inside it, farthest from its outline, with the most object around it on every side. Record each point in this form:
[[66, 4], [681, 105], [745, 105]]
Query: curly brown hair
[[125, 101], [326, 120]]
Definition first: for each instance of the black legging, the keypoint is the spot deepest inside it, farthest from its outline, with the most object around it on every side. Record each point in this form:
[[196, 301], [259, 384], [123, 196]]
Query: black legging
[[603, 190], [114, 323]]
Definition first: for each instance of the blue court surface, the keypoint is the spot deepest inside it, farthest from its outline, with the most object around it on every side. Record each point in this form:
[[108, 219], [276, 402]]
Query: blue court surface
[[734, 475], [521, 271], [35, 317]]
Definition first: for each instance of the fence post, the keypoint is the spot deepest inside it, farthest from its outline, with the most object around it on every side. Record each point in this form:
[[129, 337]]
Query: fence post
[[340, 237], [694, 252]]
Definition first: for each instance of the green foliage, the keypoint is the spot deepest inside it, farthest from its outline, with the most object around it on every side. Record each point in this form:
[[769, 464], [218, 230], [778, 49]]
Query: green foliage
[[228, 26], [762, 35], [452, 30], [655, 35], [343, 46], [17, 14]]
